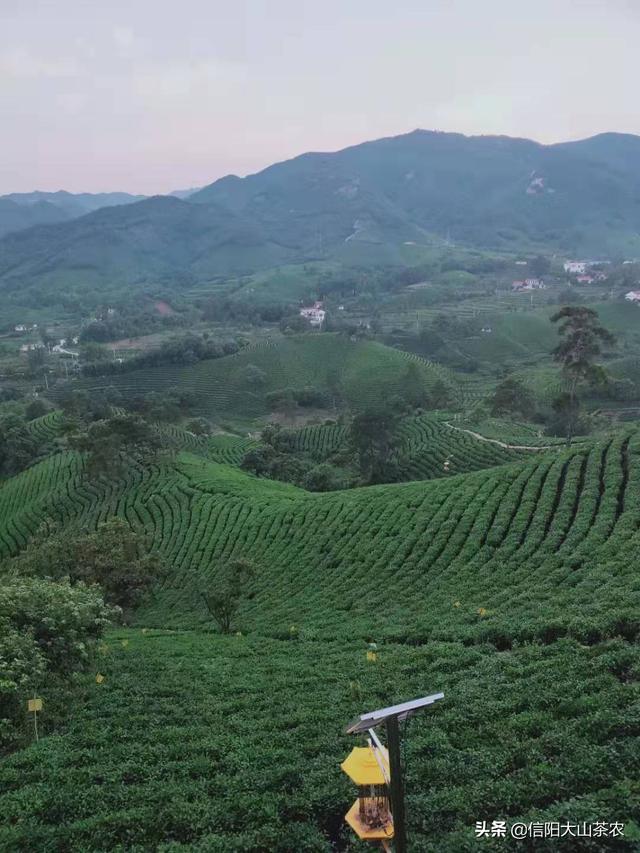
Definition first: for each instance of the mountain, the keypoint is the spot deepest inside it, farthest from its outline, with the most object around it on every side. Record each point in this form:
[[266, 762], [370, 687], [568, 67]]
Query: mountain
[[185, 193], [23, 210], [15, 216], [489, 191], [147, 242], [486, 191]]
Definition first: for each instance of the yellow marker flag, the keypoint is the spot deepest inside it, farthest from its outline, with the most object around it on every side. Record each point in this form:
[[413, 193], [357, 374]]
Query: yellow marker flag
[[34, 705], [372, 656], [99, 678]]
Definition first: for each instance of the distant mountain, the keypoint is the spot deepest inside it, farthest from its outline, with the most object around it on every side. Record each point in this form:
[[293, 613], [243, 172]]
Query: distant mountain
[[485, 191], [23, 210], [152, 241], [185, 193], [15, 216], [488, 191]]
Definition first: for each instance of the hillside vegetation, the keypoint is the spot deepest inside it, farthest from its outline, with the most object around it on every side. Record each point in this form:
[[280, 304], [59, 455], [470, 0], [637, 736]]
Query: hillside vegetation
[[358, 206], [513, 589], [566, 519], [362, 372]]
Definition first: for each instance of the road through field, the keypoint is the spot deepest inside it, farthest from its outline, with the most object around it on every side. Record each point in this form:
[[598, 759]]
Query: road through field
[[497, 441]]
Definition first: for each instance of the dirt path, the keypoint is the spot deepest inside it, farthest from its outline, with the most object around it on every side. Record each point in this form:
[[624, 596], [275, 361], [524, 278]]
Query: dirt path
[[500, 443]]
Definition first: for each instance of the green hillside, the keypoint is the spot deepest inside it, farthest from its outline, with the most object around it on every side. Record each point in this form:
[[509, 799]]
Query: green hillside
[[566, 519], [360, 206], [366, 373], [512, 589], [428, 446]]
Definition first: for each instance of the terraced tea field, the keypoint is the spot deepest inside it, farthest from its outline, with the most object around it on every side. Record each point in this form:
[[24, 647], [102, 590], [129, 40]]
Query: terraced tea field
[[196, 742], [513, 589], [546, 543], [428, 446], [367, 372]]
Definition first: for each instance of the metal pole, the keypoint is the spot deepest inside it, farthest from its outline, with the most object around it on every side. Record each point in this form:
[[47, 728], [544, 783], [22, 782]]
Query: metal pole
[[397, 787]]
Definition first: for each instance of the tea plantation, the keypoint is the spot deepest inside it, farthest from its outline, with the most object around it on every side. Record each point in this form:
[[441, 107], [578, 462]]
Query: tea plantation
[[514, 589], [364, 370]]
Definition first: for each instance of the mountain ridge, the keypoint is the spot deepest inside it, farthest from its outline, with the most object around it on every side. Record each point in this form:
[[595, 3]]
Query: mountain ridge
[[489, 192]]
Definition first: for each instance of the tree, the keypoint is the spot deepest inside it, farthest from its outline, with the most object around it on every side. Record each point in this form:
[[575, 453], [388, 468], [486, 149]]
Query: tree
[[35, 408], [334, 386], [222, 598], [109, 441], [582, 337], [282, 400], [566, 419], [119, 559], [36, 359], [93, 351], [372, 438], [512, 397], [440, 396], [255, 377], [199, 426], [325, 478], [540, 266], [45, 627], [412, 388], [294, 323], [17, 445]]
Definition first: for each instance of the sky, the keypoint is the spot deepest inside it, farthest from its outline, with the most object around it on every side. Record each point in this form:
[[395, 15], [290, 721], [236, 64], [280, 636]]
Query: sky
[[150, 96]]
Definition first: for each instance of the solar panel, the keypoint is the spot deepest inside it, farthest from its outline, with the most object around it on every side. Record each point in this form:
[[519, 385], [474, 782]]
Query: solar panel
[[401, 711]]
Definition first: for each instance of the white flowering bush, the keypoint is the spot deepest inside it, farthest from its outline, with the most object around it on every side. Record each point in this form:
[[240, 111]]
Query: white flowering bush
[[62, 618], [22, 666], [45, 627]]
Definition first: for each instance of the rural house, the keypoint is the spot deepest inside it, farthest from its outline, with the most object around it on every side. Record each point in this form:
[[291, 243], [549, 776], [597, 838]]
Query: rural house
[[315, 314], [528, 284]]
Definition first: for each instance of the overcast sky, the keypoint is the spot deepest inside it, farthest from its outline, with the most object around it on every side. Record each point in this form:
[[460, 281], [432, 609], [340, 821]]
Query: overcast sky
[[153, 95]]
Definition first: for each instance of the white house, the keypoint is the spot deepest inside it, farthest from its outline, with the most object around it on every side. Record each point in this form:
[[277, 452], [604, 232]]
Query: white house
[[315, 314], [633, 296], [20, 328], [529, 284], [576, 267]]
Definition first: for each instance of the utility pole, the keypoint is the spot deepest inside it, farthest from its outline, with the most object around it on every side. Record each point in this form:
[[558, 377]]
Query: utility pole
[[391, 718], [396, 785]]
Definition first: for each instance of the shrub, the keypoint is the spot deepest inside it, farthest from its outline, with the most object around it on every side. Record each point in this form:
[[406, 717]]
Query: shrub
[[113, 556], [44, 627], [61, 618]]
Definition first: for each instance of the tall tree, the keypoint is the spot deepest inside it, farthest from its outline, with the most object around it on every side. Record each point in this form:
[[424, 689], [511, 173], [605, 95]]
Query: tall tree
[[512, 397], [373, 440], [110, 441], [223, 595], [582, 337]]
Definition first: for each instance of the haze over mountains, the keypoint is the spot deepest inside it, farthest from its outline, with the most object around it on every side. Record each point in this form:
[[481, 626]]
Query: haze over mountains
[[488, 191], [24, 210]]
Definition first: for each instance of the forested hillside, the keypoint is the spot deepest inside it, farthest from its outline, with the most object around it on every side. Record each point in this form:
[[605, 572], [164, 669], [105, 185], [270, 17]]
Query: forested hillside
[[366, 201]]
